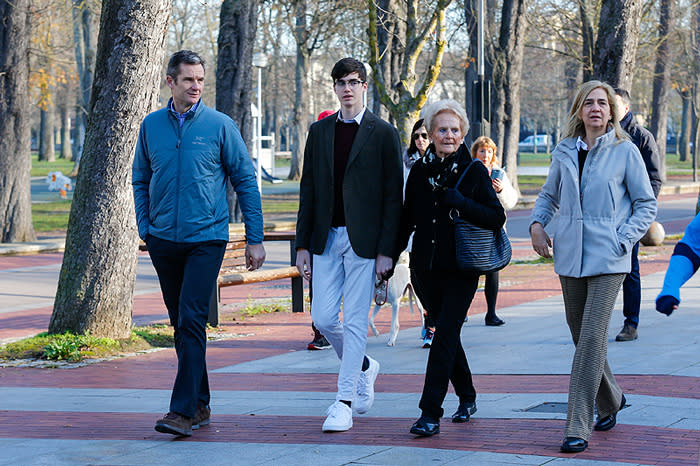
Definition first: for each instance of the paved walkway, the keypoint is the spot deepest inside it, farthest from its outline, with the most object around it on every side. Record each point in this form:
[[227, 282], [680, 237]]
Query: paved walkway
[[270, 394]]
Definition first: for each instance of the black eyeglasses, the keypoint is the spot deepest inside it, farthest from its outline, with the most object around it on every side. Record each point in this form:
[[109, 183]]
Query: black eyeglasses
[[352, 84], [417, 136]]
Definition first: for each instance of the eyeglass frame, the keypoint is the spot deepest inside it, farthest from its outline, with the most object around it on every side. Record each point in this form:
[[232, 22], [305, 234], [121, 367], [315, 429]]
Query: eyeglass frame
[[352, 84], [421, 136]]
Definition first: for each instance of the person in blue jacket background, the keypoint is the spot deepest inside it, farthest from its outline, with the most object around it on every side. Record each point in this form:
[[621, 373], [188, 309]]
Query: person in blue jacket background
[[185, 155], [683, 264]]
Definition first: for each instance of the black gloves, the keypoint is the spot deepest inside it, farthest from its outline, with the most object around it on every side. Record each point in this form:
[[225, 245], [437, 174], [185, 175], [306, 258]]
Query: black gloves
[[664, 304], [453, 198]]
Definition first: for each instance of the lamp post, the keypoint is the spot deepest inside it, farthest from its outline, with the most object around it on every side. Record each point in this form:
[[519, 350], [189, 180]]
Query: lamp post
[[260, 62]]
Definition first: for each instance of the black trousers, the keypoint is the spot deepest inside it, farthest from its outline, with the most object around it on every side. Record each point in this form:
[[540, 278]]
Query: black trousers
[[187, 273], [448, 295]]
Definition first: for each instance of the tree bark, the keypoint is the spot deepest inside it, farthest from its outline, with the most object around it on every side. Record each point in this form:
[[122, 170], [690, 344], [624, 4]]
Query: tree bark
[[510, 62], [616, 46], [237, 26], [683, 142], [96, 283], [385, 36], [85, 38], [695, 42], [662, 82], [587, 39], [47, 148], [15, 161], [300, 121], [411, 95], [66, 148]]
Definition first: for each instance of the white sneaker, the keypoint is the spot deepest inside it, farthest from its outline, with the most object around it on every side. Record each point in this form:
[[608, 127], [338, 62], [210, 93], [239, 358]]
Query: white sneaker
[[364, 396], [339, 417]]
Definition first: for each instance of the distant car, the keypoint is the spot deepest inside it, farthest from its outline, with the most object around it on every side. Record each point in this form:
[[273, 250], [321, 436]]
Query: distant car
[[541, 140]]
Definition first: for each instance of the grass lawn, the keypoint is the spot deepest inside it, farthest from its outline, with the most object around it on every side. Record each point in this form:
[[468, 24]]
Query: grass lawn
[[44, 168], [51, 216]]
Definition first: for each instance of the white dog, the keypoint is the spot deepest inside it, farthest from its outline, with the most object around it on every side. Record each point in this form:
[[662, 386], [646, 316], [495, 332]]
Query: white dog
[[397, 286]]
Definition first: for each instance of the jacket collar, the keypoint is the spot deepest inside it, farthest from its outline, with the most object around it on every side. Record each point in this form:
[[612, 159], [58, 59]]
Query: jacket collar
[[627, 121], [569, 144]]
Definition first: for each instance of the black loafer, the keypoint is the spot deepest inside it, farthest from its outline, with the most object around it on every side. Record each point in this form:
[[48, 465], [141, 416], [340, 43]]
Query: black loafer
[[464, 412], [608, 422], [426, 426], [494, 322], [573, 445]]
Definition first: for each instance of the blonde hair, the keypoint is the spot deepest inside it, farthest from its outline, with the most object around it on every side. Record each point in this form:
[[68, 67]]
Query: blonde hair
[[575, 126], [487, 142], [445, 105]]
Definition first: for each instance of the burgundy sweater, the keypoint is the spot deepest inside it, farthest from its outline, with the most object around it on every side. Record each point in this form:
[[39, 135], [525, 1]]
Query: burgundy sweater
[[344, 137]]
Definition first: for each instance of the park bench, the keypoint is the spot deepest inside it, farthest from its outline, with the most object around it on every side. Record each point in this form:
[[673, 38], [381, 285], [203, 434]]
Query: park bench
[[233, 271]]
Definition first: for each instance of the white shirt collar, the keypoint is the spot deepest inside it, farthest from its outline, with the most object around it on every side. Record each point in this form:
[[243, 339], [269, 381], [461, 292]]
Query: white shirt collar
[[357, 119], [581, 144]]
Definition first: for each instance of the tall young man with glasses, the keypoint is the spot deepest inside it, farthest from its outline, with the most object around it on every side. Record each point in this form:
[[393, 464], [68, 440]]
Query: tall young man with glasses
[[349, 208]]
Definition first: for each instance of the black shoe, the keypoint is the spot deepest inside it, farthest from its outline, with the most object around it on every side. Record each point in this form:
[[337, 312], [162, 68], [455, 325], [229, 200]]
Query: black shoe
[[608, 422], [425, 426], [464, 412], [318, 344], [494, 321], [573, 445]]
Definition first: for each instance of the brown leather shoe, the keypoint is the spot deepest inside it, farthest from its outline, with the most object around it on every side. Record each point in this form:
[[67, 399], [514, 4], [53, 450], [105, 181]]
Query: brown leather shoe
[[628, 333], [202, 417], [176, 424]]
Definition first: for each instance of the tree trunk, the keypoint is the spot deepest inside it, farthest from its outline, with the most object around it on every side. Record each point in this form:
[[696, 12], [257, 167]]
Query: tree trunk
[[587, 38], [66, 149], [237, 26], [15, 161], [616, 46], [96, 283], [662, 82], [385, 36], [410, 95], [300, 118], [686, 125], [47, 148], [695, 42], [512, 45], [85, 38]]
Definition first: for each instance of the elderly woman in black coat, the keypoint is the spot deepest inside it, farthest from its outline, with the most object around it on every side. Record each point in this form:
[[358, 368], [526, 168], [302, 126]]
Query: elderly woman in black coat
[[432, 199]]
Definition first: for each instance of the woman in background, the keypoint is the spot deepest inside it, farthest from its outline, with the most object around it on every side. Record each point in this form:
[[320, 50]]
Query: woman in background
[[484, 149]]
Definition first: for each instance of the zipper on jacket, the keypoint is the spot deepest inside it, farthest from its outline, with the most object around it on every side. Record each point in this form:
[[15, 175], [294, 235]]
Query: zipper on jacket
[[177, 182]]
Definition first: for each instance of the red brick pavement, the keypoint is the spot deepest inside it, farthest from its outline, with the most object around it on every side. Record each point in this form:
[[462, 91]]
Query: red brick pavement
[[627, 443], [273, 334]]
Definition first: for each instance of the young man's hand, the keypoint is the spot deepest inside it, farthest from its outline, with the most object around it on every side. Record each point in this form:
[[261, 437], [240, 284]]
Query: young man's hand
[[304, 263], [384, 267]]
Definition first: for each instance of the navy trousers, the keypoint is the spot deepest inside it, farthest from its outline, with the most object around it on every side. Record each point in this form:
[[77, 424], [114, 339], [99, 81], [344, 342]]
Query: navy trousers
[[632, 291], [187, 273]]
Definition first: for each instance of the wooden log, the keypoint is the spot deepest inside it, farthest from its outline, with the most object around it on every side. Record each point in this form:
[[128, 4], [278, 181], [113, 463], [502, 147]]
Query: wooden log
[[257, 276]]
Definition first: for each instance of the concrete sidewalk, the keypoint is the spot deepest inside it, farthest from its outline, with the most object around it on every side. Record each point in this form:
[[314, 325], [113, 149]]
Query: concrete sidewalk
[[270, 394]]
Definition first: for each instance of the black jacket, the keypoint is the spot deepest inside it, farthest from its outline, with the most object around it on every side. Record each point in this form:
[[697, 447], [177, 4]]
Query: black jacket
[[425, 212], [371, 188], [644, 140]]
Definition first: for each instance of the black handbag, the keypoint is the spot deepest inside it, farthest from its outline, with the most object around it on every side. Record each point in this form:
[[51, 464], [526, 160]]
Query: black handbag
[[479, 250]]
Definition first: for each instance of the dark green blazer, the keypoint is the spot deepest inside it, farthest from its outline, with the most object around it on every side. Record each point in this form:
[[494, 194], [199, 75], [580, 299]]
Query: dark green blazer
[[372, 188]]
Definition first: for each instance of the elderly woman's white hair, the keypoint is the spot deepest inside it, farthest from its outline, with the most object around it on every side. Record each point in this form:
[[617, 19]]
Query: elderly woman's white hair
[[445, 105]]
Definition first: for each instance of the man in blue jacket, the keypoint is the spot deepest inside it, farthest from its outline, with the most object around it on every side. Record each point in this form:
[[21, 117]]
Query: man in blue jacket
[[644, 140], [185, 155]]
